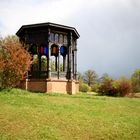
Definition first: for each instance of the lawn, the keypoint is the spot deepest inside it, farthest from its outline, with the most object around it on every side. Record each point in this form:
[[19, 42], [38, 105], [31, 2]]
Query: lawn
[[37, 116]]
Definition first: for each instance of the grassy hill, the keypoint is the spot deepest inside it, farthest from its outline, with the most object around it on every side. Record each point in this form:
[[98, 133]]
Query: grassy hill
[[36, 116]]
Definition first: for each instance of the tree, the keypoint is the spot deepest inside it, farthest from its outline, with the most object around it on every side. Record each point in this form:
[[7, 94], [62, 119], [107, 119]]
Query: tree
[[15, 61], [135, 78], [104, 77], [90, 77], [105, 85]]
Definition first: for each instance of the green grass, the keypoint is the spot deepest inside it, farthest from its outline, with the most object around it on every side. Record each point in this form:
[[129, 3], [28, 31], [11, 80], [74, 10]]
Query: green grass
[[37, 116]]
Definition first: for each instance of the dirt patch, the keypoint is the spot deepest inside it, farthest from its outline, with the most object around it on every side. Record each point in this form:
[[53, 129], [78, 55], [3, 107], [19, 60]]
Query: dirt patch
[[134, 95]]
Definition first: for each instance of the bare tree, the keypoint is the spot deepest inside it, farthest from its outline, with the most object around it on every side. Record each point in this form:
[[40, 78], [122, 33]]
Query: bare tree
[[90, 77]]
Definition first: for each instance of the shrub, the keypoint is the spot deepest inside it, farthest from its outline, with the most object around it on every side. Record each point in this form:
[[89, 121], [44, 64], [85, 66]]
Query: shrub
[[119, 87], [125, 86], [95, 87], [84, 87], [115, 88], [106, 86]]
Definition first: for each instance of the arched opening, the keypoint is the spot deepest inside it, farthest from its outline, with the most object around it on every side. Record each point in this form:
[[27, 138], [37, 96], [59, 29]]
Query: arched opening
[[43, 73], [33, 49], [35, 65], [43, 49], [43, 63], [35, 57], [54, 60], [39, 66], [63, 54], [54, 57]]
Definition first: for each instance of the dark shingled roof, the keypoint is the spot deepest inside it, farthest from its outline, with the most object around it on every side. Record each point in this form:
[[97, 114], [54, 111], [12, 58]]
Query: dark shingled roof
[[47, 24]]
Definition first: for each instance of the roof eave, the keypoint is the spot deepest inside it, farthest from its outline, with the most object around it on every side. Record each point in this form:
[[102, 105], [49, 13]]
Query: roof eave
[[47, 24]]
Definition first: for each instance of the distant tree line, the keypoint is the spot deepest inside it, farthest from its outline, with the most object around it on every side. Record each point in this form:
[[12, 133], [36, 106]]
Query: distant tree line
[[106, 85]]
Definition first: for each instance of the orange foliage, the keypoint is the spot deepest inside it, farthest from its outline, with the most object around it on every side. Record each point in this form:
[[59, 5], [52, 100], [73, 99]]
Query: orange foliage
[[15, 61]]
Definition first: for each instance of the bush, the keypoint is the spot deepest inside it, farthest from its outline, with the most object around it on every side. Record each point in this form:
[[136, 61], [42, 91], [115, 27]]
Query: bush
[[119, 87], [84, 87], [95, 87], [125, 87], [105, 87], [135, 88]]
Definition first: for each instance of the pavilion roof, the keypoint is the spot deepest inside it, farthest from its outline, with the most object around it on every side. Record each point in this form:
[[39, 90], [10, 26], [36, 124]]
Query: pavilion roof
[[43, 26]]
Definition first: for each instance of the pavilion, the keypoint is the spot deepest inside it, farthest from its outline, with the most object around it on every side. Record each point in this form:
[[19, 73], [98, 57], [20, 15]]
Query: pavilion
[[53, 48]]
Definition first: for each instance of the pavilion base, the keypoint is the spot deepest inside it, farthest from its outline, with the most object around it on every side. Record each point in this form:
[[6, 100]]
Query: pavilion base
[[51, 86]]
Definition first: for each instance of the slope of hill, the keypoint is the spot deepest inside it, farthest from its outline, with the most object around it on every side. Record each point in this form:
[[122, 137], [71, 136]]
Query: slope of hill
[[37, 116]]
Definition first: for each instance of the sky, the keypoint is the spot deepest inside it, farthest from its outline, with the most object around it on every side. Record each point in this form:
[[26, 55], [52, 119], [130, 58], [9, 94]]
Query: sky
[[109, 29]]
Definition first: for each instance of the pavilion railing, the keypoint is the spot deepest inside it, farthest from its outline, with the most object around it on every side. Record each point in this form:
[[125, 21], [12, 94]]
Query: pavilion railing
[[62, 75], [38, 74], [44, 75]]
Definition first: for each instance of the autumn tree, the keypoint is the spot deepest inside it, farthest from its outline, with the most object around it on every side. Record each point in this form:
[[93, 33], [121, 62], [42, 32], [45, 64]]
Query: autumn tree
[[14, 61]]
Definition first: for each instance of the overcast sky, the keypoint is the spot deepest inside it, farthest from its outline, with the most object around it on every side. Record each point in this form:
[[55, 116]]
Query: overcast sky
[[109, 29]]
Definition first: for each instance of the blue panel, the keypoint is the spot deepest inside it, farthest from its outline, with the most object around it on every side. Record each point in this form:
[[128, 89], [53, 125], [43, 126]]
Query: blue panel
[[62, 50], [45, 50]]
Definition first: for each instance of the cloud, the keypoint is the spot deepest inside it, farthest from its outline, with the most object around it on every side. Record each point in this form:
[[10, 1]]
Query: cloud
[[109, 35], [16, 13], [109, 29]]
